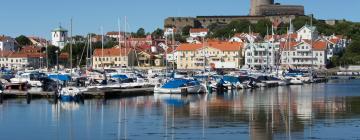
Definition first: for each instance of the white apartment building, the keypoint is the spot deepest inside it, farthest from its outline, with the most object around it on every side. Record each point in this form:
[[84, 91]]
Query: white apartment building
[[303, 54], [262, 55]]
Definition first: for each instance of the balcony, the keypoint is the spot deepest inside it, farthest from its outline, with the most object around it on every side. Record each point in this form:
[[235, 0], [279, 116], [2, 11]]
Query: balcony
[[304, 56]]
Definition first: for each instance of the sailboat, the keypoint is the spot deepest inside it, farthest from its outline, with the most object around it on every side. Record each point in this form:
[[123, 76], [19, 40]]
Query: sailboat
[[70, 93]]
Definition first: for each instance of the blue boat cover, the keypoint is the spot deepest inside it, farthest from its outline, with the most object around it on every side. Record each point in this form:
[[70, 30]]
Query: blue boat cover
[[120, 76], [231, 79], [176, 83], [60, 77]]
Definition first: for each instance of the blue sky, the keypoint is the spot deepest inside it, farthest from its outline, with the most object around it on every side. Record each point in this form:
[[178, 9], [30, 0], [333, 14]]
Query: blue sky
[[38, 17]]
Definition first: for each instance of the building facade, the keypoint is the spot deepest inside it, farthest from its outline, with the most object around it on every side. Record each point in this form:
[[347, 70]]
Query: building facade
[[304, 54], [220, 55], [22, 60], [7, 43], [262, 55], [113, 57]]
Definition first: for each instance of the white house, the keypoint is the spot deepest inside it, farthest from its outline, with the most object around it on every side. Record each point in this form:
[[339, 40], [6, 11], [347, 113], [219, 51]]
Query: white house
[[262, 55], [303, 54], [59, 37], [198, 32], [245, 37], [307, 32], [7, 43]]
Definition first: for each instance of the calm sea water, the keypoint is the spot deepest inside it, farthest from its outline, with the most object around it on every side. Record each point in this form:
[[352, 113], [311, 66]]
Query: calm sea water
[[319, 111]]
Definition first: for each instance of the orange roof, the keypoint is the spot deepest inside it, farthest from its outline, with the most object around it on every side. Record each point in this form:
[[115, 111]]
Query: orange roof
[[30, 49], [198, 30], [10, 54], [319, 45], [64, 55], [112, 52], [223, 46], [226, 46], [284, 46], [189, 47], [334, 40]]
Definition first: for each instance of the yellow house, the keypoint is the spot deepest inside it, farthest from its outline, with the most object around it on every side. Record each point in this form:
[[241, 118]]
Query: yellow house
[[113, 57], [217, 54]]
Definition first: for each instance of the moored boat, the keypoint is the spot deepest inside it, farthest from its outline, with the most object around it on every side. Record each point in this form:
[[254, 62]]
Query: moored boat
[[180, 86]]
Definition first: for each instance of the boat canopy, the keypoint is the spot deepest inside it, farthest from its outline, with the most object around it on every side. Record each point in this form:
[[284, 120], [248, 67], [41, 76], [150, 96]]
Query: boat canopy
[[176, 83], [120, 76], [231, 79], [60, 77]]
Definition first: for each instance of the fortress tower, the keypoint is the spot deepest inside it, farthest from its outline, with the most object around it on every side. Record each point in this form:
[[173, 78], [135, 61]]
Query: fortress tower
[[255, 4]]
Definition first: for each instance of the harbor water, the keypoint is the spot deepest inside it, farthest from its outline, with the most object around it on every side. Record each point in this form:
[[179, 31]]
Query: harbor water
[[314, 111]]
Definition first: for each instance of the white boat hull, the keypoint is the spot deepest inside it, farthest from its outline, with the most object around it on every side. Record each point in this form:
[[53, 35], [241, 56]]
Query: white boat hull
[[191, 89]]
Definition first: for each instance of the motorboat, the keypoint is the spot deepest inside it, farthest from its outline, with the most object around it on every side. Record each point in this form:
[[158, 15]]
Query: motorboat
[[70, 94], [30, 78], [180, 86]]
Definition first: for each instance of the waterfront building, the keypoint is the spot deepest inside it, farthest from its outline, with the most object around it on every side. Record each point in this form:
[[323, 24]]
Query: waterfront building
[[113, 57], [221, 55], [59, 37], [304, 54], [262, 55], [7, 43], [29, 57]]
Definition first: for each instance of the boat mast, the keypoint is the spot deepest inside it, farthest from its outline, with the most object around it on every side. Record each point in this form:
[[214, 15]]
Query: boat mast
[[125, 42], [119, 39], [173, 48], [267, 51], [71, 41], [102, 48]]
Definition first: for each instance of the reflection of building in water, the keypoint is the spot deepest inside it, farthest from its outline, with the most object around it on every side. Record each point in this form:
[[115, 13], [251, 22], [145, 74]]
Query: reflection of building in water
[[304, 105]]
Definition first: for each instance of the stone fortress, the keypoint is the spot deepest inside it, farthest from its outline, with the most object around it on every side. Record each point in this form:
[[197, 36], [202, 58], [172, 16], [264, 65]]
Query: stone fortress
[[260, 9]]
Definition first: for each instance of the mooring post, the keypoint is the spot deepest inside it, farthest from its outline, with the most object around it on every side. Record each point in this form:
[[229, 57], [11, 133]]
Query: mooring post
[[1, 97], [28, 97]]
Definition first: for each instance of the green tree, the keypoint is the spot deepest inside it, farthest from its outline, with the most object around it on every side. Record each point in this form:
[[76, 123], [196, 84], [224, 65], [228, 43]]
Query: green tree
[[23, 40], [158, 33], [140, 32], [263, 27], [52, 55], [186, 30]]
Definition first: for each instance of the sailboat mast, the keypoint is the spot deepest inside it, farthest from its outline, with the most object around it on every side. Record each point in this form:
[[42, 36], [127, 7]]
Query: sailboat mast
[[125, 40], [102, 47], [119, 39], [87, 51], [71, 41], [173, 48]]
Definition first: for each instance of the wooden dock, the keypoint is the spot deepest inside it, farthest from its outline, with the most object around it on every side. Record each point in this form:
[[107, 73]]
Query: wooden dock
[[103, 93]]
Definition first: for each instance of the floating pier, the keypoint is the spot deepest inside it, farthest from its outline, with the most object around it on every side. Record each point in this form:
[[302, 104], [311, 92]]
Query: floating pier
[[100, 93]]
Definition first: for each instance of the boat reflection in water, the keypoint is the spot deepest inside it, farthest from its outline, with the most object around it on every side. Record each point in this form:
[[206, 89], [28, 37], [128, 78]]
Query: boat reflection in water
[[319, 111]]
